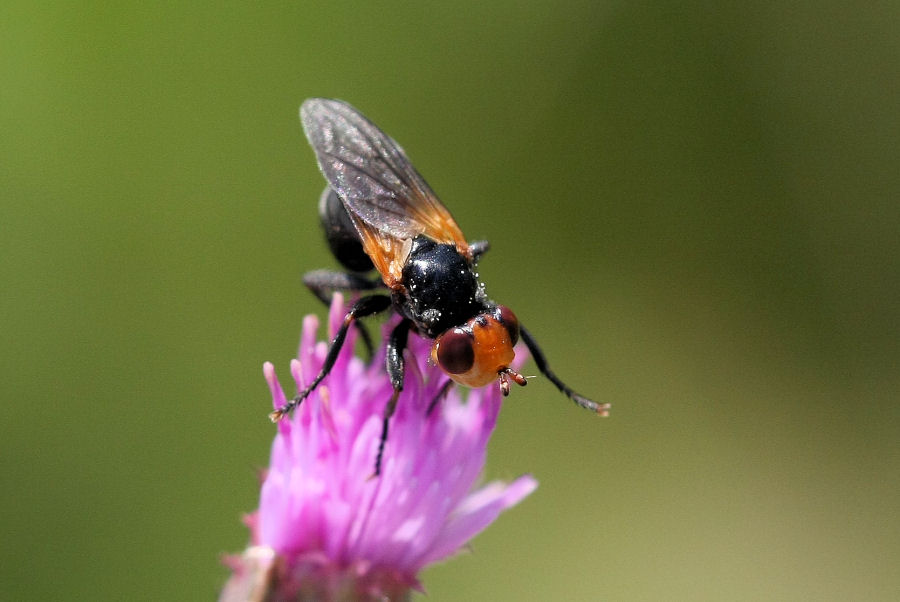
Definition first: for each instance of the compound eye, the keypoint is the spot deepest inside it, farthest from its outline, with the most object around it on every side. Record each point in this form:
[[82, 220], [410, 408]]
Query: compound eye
[[455, 352], [506, 317]]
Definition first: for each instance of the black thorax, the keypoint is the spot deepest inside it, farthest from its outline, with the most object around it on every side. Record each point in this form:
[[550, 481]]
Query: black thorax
[[441, 288]]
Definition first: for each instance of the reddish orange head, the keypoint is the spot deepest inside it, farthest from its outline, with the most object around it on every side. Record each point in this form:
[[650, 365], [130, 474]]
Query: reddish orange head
[[481, 350]]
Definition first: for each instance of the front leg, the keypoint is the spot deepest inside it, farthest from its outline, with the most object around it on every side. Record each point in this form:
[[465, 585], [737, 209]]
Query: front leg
[[544, 367], [396, 368], [441, 394]]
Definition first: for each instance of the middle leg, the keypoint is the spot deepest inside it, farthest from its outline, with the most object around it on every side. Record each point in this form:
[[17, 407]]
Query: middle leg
[[396, 369], [323, 283]]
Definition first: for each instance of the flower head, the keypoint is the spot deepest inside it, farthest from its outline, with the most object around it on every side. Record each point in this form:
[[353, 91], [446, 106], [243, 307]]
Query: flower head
[[325, 529]]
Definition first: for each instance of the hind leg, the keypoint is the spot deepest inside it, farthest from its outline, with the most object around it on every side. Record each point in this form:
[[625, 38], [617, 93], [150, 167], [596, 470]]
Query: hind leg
[[323, 283]]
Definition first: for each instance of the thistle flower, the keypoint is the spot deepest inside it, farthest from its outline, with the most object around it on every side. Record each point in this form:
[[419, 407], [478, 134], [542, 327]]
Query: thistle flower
[[324, 529]]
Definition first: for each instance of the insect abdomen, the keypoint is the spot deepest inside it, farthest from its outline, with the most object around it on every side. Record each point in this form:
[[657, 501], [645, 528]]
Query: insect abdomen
[[342, 237]]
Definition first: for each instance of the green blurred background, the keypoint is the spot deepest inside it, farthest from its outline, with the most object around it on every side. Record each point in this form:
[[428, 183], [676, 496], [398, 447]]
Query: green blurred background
[[694, 206]]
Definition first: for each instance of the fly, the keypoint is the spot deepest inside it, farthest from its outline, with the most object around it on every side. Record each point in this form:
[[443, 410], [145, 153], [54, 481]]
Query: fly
[[379, 213]]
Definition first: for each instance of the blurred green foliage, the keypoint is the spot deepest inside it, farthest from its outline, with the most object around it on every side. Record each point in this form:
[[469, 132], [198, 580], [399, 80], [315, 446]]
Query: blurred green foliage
[[694, 206]]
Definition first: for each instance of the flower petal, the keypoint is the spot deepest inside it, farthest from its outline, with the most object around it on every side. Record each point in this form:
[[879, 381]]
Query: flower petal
[[478, 511], [318, 500]]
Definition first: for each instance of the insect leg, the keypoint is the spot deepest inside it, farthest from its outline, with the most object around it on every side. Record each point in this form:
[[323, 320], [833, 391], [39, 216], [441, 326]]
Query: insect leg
[[541, 361], [323, 283], [395, 367], [441, 394], [366, 306]]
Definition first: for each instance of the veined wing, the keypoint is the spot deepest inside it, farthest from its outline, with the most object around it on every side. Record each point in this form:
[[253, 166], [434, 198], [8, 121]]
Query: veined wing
[[387, 199]]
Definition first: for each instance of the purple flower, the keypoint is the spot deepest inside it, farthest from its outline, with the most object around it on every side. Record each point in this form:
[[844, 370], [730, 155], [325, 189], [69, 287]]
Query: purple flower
[[325, 530]]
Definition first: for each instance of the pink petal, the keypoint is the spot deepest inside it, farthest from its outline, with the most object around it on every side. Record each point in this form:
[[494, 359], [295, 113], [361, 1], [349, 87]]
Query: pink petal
[[478, 511]]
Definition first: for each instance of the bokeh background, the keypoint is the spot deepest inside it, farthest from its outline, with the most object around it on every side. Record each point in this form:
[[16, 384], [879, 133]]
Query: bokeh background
[[693, 205]]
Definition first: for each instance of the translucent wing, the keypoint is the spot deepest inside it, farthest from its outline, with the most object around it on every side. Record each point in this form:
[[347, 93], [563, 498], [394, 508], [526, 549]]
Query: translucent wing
[[387, 199]]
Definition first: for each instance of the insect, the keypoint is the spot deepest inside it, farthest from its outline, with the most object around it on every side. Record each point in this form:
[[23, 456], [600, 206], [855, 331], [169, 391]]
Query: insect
[[378, 213]]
